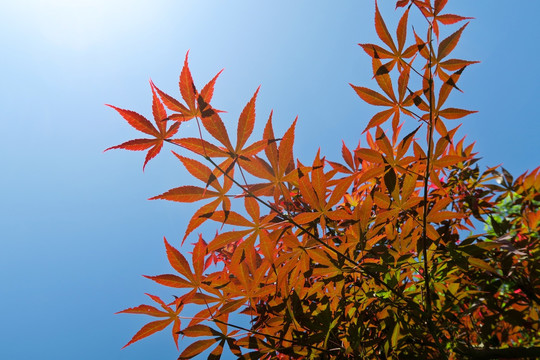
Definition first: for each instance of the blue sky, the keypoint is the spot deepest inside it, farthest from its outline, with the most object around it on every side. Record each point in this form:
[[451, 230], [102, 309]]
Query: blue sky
[[76, 229]]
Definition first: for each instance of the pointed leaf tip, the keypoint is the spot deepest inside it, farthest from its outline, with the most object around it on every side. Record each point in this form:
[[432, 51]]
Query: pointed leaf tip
[[246, 122], [148, 330], [136, 120]]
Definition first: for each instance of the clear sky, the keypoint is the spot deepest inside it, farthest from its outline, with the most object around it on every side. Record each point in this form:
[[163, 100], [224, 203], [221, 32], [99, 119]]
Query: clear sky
[[76, 230]]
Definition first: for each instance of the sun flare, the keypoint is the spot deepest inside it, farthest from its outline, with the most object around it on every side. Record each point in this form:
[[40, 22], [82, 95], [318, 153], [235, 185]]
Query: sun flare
[[80, 24]]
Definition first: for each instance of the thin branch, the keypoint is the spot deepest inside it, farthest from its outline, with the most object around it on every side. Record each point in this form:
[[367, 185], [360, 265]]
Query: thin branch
[[268, 335]]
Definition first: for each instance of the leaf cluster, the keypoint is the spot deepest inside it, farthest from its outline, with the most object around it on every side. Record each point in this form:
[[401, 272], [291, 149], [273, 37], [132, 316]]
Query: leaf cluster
[[373, 256]]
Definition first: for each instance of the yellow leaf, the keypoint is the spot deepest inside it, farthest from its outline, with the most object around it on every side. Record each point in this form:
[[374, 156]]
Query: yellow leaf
[[482, 265]]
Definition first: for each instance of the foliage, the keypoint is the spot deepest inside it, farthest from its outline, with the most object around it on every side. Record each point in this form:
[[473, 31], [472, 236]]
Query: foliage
[[375, 256]]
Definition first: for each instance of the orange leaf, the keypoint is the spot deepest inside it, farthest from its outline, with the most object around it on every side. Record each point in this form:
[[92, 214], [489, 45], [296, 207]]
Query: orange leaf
[[286, 148], [140, 123], [208, 90], [371, 97], [403, 82], [252, 207], [308, 192], [200, 217], [346, 154], [439, 216], [447, 45], [226, 238], [307, 217], [246, 122], [382, 30], [136, 120], [170, 280], [231, 218], [448, 86], [456, 64], [402, 3], [271, 150], [181, 117], [149, 329], [453, 113], [439, 5], [371, 173], [199, 330], [200, 146], [199, 171], [448, 160], [254, 149], [196, 348], [318, 179], [171, 102], [172, 130], [158, 111], [199, 252], [186, 193], [375, 51], [379, 118], [449, 19], [145, 310], [383, 143], [339, 191], [178, 261], [187, 87], [175, 330], [218, 350], [153, 152], [135, 145], [231, 306], [402, 29], [383, 79], [216, 128], [369, 155]]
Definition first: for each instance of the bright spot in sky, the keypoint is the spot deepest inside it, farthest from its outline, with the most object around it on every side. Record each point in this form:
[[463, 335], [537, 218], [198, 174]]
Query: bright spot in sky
[[80, 24]]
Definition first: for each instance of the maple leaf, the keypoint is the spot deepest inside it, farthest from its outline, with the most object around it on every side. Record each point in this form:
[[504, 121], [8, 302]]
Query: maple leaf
[[279, 166], [215, 126], [445, 47], [189, 193], [198, 330], [436, 17], [191, 279], [239, 153], [418, 3], [448, 113], [256, 224], [250, 276], [192, 98], [314, 191], [170, 314], [140, 123], [397, 105], [397, 54]]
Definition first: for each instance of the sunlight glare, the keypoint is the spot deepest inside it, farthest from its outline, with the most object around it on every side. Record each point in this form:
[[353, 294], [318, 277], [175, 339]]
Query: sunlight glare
[[80, 24]]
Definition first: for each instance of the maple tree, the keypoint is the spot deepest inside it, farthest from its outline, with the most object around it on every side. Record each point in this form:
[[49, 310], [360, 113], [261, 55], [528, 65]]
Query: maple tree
[[375, 256]]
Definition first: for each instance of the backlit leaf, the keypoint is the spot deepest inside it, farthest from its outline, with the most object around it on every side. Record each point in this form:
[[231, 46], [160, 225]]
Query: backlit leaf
[[149, 329], [136, 120], [447, 45], [196, 348]]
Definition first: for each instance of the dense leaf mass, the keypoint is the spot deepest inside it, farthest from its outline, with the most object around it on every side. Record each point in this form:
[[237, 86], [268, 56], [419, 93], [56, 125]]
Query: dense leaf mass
[[377, 256]]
